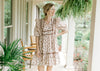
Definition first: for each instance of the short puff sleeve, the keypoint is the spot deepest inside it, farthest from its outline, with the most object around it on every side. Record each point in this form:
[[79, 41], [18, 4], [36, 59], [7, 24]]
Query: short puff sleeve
[[37, 28], [61, 25]]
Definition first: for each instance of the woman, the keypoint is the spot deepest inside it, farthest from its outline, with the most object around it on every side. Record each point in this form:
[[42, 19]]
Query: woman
[[46, 31]]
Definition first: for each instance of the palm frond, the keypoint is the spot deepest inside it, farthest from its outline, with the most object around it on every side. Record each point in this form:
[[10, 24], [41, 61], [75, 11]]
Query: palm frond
[[13, 56]]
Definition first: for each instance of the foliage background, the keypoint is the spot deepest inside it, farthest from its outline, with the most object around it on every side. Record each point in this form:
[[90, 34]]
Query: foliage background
[[82, 39]]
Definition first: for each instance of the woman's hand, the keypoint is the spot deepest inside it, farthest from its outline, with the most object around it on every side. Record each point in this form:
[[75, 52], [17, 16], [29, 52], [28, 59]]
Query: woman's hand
[[63, 32]]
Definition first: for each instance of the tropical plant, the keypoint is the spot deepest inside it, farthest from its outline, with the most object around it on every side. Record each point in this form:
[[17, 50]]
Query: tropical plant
[[12, 56]]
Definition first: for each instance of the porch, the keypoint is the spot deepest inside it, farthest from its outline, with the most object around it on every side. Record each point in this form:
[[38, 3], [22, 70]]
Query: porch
[[21, 22]]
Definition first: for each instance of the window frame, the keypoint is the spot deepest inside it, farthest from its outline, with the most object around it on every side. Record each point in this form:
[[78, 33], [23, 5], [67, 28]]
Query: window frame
[[8, 27]]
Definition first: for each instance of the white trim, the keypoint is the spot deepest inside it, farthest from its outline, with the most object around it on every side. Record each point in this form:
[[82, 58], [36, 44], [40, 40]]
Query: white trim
[[21, 19], [8, 26], [41, 1], [29, 20], [18, 19], [24, 20], [26, 23]]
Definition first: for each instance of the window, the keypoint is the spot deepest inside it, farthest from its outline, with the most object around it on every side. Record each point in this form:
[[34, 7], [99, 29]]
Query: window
[[8, 21]]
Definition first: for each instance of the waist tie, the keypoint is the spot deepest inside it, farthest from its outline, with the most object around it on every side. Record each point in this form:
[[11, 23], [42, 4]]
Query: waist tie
[[48, 32]]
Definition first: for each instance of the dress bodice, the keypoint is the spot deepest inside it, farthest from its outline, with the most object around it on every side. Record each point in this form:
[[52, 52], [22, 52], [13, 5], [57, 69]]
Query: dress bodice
[[42, 28], [47, 29]]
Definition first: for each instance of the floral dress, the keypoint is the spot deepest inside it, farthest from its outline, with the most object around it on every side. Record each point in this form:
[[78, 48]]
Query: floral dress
[[48, 46]]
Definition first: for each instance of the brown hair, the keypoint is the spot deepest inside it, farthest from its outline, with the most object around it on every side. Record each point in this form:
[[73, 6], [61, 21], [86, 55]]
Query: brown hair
[[47, 7]]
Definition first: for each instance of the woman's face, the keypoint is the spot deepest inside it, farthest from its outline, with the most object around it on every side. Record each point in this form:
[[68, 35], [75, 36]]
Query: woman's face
[[51, 11]]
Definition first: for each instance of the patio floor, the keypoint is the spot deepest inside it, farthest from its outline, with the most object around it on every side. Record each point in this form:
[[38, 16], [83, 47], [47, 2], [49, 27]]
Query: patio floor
[[55, 68]]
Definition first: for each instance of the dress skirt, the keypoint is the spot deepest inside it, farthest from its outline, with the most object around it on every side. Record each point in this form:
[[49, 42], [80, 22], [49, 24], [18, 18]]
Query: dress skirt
[[49, 52]]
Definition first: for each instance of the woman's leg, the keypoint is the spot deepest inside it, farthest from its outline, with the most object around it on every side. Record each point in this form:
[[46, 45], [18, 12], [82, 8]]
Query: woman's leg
[[40, 68], [49, 68]]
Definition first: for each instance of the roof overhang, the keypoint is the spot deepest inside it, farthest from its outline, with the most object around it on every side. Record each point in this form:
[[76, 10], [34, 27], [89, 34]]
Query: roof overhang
[[40, 1]]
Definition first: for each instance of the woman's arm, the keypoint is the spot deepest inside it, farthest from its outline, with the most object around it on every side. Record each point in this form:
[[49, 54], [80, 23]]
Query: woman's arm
[[37, 43], [61, 25], [37, 34], [63, 32]]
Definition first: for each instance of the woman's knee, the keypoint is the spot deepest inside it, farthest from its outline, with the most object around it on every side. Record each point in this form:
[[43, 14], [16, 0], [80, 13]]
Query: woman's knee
[[40, 66], [49, 67]]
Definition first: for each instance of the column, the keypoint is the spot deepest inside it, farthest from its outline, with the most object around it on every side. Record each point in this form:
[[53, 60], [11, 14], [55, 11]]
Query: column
[[70, 44], [29, 20], [63, 53], [1, 19], [94, 51]]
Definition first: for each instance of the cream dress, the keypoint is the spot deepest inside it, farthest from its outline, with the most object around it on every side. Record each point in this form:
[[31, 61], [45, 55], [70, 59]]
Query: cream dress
[[48, 46]]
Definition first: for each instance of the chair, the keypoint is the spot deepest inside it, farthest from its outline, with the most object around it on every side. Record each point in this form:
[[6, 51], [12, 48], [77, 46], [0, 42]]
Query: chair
[[28, 53], [33, 40], [33, 44]]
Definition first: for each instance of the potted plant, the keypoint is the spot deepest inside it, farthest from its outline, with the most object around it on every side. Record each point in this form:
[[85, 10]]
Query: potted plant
[[12, 56]]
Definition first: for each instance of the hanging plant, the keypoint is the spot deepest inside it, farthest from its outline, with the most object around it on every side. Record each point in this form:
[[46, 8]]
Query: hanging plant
[[75, 8]]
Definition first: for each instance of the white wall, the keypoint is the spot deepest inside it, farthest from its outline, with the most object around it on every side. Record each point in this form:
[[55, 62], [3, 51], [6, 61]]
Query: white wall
[[94, 52]]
